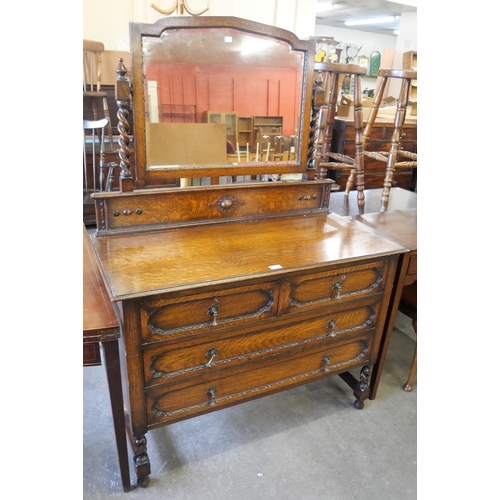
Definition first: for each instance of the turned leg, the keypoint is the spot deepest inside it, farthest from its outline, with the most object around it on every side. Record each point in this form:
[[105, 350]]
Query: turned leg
[[350, 182], [361, 391], [141, 461], [360, 388]]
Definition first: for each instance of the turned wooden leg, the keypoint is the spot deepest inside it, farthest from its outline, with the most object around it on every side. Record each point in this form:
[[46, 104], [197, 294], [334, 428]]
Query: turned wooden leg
[[361, 387], [141, 461], [350, 182], [361, 391]]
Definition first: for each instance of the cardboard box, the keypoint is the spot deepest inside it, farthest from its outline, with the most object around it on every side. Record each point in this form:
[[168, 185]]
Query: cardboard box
[[348, 112], [346, 106]]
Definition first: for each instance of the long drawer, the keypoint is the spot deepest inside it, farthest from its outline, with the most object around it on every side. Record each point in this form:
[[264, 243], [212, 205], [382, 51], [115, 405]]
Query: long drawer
[[233, 347], [213, 390]]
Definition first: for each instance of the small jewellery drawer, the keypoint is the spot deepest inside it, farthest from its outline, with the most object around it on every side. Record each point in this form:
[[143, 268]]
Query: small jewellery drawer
[[170, 362], [322, 289], [196, 395], [163, 319]]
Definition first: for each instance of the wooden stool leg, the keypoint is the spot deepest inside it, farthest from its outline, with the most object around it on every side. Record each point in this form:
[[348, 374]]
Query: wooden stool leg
[[377, 100], [395, 140], [359, 171], [350, 182]]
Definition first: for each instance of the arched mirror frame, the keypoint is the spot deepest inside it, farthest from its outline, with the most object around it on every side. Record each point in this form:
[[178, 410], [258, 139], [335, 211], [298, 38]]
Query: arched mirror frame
[[152, 178]]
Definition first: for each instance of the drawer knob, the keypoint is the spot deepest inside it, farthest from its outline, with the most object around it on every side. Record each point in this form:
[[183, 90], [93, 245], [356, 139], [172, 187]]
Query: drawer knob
[[326, 361], [226, 203], [213, 310], [211, 394], [211, 353], [337, 287], [331, 325]]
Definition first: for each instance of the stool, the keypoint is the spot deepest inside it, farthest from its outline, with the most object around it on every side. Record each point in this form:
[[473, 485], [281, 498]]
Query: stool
[[325, 96], [391, 157]]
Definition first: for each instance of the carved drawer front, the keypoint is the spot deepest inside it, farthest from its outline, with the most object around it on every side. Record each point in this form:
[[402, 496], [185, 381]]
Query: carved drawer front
[[170, 362], [197, 395], [176, 317], [323, 289]]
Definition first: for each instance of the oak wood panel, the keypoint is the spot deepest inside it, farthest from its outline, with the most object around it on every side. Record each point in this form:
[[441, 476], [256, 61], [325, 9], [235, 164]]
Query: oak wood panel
[[177, 260], [156, 208]]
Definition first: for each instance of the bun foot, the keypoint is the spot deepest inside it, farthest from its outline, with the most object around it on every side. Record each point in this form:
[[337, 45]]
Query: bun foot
[[143, 481], [358, 404]]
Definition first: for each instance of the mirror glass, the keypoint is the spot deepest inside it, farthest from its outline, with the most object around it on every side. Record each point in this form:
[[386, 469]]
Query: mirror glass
[[221, 96]]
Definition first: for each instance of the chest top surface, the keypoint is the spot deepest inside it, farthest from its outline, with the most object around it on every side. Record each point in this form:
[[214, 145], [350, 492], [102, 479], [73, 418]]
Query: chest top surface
[[145, 264]]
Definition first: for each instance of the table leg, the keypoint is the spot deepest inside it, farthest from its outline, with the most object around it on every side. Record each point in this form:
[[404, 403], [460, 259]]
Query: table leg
[[113, 372], [389, 324]]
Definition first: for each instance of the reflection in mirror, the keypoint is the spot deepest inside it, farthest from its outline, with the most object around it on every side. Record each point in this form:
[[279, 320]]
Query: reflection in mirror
[[219, 96]]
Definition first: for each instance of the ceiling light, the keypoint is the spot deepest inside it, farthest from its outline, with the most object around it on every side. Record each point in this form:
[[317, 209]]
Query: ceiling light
[[374, 20], [324, 6]]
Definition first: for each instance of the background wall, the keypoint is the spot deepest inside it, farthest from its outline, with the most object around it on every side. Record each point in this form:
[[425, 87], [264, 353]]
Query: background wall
[[107, 21]]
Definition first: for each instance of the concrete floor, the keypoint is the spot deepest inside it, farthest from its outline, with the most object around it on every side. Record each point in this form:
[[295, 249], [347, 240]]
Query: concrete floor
[[305, 443]]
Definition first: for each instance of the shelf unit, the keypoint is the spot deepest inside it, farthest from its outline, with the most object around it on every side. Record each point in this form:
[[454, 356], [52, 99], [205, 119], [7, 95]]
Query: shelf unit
[[245, 132], [410, 63], [266, 125]]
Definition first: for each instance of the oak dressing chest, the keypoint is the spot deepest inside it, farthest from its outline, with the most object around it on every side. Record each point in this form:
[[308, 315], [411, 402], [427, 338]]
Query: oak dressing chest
[[231, 292]]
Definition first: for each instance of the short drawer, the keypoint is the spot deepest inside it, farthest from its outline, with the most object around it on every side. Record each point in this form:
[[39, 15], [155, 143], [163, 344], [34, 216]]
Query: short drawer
[[171, 362], [321, 289], [207, 312], [255, 378]]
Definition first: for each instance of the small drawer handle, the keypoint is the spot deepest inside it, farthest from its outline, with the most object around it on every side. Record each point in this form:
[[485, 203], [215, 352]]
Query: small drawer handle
[[326, 361], [331, 325], [211, 394], [211, 353], [337, 287], [213, 310]]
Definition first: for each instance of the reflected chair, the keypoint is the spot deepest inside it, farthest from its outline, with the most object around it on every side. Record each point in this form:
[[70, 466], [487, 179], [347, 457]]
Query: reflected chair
[[391, 157], [92, 71], [408, 306], [325, 97], [94, 146]]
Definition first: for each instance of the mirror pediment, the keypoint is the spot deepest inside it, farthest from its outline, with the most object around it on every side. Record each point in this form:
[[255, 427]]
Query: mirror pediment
[[219, 96]]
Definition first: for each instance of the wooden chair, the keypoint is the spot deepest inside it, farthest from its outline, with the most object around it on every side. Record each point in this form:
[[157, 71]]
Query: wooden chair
[[92, 71], [408, 306], [93, 144], [325, 96], [391, 157]]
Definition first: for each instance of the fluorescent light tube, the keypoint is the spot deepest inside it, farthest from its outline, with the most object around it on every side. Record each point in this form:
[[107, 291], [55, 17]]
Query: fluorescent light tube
[[374, 20]]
